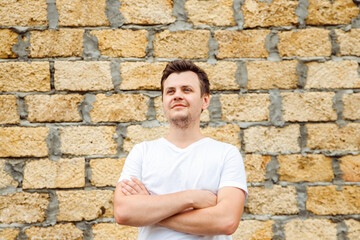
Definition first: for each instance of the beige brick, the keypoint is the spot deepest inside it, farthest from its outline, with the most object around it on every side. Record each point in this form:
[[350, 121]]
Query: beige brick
[[309, 106], [327, 200], [53, 108], [228, 133], [24, 77], [106, 171], [58, 231], [182, 44], [23, 207], [23, 141], [311, 42], [334, 12], [23, 13], [254, 229], [309, 168], [343, 74], [255, 167], [276, 201], [350, 166], [114, 231], [84, 205], [353, 232], [8, 109], [329, 136], [310, 229], [80, 13], [351, 106], [8, 39], [119, 108], [265, 14], [216, 12], [121, 42], [83, 76], [147, 12], [348, 41], [267, 75], [241, 44], [272, 139], [45, 173], [60, 43], [252, 107], [87, 140], [6, 179], [9, 234]]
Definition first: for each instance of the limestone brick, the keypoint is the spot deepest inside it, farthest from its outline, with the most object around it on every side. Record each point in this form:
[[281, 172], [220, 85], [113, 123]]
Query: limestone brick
[[106, 171], [349, 42], [45, 173], [23, 141], [327, 200], [329, 136], [114, 231], [351, 106], [79, 205], [309, 168], [53, 108], [24, 77], [353, 232], [8, 39], [310, 229], [119, 108], [350, 166], [241, 44], [249, 107], [255, 167], [59, 43], [88, 140], [254, 229], [58, 231], [276, 201], [264, 14], [311, 42], [9, 234], [83, 76], [23, 207], [228, 133], [8, 110], [6, 179], [121, 42]]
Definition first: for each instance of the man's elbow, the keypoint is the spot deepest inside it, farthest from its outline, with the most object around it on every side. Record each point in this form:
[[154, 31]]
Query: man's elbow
[[230, 227], [120, 215]]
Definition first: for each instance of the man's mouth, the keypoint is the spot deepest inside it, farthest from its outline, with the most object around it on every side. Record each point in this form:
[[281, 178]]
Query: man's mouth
[[178, 105]]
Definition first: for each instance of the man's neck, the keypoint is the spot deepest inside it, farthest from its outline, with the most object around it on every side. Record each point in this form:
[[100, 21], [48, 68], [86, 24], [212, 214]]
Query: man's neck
[[183, 137]]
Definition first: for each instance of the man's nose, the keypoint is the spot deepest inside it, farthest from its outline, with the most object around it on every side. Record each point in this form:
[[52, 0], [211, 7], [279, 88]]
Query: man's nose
[[178, 95]]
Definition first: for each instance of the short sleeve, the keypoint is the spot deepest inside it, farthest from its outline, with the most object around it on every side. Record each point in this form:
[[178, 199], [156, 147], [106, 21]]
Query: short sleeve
[[133, 164]]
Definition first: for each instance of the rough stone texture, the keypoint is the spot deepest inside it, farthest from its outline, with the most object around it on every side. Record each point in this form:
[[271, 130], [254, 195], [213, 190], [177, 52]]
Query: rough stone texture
[[216, 12], [268, 75], [309, 168], [272, 139], [6, 179], [310, 229], [310, 106], [8, 39], [249, 107], [228, 133], [311, 42], [83, 76], [106, 171], [121, 42], [353, 232], [8, 109], [329, 136], [348, 41], [23, 13], [24, 77], [241, 44], [255, 167], [82, 13], [23, 207], [58, 231], [114, 231], [23, 142], [324, 12], [343, 74], [147, 12], [60, 43], [351, 106], [119, 108], [327, 200], [84, 205], [53, 108], [253, 229], [276, 201], [45, 173], [86, 140], [350, 166], [9, 234], [265, 14]]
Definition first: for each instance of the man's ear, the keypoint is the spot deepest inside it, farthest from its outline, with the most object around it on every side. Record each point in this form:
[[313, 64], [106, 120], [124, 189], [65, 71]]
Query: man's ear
[[206, 101]]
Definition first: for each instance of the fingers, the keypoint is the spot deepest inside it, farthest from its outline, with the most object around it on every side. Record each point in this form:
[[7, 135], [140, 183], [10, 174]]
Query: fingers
[[140, 184], [133, 187]]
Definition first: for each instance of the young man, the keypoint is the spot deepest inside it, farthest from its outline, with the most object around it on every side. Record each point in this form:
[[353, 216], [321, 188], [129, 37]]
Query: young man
[[184, 185]]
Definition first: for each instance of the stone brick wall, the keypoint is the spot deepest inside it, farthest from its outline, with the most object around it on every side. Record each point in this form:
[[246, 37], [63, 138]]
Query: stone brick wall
[[79, 86]]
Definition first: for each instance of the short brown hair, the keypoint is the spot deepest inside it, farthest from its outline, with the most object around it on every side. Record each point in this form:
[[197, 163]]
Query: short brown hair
[[179, 66]]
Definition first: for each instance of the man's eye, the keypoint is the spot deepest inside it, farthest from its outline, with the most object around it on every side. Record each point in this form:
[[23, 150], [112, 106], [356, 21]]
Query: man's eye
[[187, 90], [170, 91]]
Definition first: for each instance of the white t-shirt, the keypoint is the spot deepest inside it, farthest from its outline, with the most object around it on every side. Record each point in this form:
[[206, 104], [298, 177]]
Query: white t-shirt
[[164, 168]]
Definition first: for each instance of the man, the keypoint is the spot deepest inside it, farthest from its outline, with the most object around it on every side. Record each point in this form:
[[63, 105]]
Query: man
[[185, 185]]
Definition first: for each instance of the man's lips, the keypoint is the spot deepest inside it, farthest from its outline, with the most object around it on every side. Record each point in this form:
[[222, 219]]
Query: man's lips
[[178, 105]]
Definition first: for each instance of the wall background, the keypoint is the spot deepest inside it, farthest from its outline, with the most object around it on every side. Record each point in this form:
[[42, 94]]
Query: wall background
[[79, 86]]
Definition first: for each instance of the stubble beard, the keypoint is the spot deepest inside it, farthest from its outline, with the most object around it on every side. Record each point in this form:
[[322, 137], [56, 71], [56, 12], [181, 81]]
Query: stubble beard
[[181, 122]]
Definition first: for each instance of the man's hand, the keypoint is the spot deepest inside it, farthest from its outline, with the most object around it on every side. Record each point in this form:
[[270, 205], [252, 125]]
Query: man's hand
[[133, 187]]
